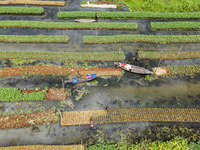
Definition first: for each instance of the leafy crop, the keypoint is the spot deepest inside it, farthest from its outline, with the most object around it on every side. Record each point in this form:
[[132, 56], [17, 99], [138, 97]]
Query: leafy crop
[[31, 2], [67, 56], [127, 15], [22, 10], [34, 38], [68, 25], [168, 55], [175, 26], [14, 94], [187, 70], [162, 39]]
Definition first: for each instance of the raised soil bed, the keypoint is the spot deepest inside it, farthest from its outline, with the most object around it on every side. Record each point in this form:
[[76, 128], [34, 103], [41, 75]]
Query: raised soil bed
[[58, 70], [32, 2], [176, 70], [21, 10], [27, 120], [45, 147], [34, 38], [69, 25], [174, 26], [161, 39], [63, 56], [168, 55]]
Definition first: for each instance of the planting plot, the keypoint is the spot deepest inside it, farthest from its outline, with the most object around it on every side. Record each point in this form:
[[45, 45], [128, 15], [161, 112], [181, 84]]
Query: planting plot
[[21, 10], [168, 55], [26, 120]]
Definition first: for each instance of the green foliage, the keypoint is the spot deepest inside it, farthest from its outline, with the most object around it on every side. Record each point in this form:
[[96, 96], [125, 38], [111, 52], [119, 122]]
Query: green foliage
[[161, 39], [127, 15], [19, 56], [168, 55], [174, 26], [188, 69], [22, 10], [102, 147], [14, 94], [68, 25], [34, 38]]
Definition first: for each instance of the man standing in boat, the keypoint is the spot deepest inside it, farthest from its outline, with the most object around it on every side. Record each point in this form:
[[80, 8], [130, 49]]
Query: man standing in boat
[[96, 17]]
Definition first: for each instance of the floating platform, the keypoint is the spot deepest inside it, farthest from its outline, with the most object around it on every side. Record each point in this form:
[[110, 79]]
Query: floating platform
[[71, 118]]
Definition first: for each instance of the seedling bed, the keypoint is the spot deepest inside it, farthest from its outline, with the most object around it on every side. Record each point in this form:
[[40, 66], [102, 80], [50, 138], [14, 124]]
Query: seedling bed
[[34, 38], [174, 26], [176, 70], [32, 2], [45, 147], [27, 120], [63, 56], [69, 25], [161, 39], [168, 55], [21, 10], [128, 15], [58, 70]]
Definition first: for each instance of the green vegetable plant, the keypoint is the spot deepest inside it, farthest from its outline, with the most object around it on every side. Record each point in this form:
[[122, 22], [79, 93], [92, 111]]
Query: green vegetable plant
[[22, 10]]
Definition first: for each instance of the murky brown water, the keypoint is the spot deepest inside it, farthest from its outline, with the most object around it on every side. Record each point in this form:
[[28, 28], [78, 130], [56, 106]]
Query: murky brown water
[[129, 91]]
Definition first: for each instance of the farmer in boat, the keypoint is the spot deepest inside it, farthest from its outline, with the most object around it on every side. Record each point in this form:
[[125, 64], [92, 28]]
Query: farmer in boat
[[91, 122], [96, 17]]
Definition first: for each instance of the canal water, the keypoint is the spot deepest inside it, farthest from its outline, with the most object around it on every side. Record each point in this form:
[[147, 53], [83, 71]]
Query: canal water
[[128, 91]]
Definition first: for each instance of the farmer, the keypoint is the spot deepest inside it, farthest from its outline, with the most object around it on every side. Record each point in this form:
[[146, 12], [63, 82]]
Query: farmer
[[96, 17], [91, 122], [107, 108]]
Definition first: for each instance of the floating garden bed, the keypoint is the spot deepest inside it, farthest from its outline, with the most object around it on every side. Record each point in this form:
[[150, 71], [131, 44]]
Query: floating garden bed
[[45, 147], [161, 39], [21, 10], [27, 120], [128, 15], [32, 2], [168, 55], [174, 26], [57, 70], [34, 38], [176, 70], [68, 25], [102, 4], [63, 56], [15, 94]]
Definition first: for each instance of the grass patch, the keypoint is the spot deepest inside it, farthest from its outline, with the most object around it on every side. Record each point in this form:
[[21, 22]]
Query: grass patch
[[168, 55], [161, 39], [63, 56], [34, 39], [174, 26], [68, 25], [127, 15], [22, 10]]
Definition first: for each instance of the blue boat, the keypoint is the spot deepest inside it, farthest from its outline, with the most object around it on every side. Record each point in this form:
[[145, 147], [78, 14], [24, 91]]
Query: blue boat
[[82, 78]]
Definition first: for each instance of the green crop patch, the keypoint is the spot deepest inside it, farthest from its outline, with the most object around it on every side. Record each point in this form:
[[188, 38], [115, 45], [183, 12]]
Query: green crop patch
[[14, 94], [168, 55], [160, 39], [63, 56], [68, 25], [34, 39], [21, 10], [127, 15], [174, 26]]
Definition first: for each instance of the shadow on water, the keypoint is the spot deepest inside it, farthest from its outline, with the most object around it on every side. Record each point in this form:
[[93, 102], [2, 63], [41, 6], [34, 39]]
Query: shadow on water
[[128, 91]]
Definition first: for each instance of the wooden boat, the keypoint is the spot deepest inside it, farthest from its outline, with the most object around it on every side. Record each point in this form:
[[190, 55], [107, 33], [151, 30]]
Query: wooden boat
[[85, 20], [133, 68], [80, 79]]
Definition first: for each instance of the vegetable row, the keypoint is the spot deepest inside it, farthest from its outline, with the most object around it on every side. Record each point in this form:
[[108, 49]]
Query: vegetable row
[[127, 15], [168, 55], [161, 39], [65, 56], [68, 25], [33, 2], [22, 10]]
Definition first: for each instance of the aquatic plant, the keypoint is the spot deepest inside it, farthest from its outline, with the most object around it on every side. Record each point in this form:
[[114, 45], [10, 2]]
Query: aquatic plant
[[63, 56], [161, 39], [174, 26], [69, 25], [168, 55], [127, 15], [34, 38], [22, 10]]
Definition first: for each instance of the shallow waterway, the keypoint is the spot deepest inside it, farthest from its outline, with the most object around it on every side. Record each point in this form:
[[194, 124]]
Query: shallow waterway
[[128, 91]]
